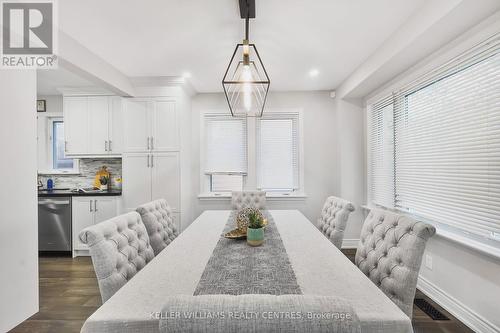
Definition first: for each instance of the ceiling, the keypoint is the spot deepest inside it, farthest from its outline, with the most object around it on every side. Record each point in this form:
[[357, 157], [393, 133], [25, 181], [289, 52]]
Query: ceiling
[[173, 37], [49, 82]]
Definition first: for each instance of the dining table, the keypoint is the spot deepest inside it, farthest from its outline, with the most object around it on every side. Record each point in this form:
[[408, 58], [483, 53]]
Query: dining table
[[319, 267]]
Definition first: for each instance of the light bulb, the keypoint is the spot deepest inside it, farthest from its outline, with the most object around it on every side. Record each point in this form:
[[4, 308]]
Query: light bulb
[[246, 76]]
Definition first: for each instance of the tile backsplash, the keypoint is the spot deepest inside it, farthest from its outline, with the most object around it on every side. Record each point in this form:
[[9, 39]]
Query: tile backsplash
[[88, 169]]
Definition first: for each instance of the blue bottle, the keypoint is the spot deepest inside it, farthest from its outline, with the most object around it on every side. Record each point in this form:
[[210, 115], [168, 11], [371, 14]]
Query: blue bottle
[[50, 184]]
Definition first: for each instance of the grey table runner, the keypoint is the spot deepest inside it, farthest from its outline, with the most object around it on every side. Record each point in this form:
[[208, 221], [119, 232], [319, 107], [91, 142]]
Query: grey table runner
[[235, 268]]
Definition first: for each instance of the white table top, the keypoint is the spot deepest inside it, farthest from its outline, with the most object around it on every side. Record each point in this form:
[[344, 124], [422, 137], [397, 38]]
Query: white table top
[[320, 268]]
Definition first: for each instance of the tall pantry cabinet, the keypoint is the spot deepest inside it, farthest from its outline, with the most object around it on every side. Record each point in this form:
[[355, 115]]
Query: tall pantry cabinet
[[151, 153]]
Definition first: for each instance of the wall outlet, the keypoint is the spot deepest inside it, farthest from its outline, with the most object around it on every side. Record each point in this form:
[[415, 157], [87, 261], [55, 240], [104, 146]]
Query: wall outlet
[[428, 261]]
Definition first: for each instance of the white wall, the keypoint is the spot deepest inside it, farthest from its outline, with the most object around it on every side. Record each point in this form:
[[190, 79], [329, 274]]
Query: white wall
[[320, 149], [18, 198], [351, 157], [462, 280]]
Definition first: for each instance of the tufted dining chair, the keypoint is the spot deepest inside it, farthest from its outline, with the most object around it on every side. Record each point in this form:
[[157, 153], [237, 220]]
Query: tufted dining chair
[[333, 219], [390, 253], [119, 248], [244, 199], [159, 222]]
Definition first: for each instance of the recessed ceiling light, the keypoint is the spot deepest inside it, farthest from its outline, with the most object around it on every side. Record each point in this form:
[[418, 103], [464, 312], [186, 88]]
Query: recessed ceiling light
[[313, 72], [186, 75]]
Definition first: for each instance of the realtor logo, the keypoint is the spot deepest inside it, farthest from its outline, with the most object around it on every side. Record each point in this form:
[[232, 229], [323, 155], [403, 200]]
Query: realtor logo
[[28, 32]]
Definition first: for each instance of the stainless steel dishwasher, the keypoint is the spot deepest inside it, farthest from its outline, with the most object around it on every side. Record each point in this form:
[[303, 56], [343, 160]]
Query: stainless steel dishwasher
[[54, 224]]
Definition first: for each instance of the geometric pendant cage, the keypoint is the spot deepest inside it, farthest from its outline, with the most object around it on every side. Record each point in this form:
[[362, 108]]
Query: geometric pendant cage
[[246, 82]]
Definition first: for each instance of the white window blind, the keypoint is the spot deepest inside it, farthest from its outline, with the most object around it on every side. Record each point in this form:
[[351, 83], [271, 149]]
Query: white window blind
[[277, 154], [381, 153], [448, 149], [226, 183], [226, 144], [446, 143]]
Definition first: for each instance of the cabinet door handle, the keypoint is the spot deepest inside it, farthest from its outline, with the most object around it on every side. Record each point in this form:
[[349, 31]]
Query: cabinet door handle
[[152, 143], [106, 145], [109, 145], [148, 160], [148, 144], [95, 205], [152, 161], [65, 146], [90, 206]]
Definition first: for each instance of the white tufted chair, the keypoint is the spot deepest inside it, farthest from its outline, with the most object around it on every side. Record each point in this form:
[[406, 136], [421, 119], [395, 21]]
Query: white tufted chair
[[390, 253], [255, 199], [119, 248], [157, 217], [333, 219]]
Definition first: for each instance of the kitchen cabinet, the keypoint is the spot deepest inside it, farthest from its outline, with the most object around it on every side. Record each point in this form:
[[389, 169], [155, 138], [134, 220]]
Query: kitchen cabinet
[[151, 158], [136, 175], [136, 123], [76, 119], [151, 125], [165, 178], [93, 126], [87, 211], [151, 176], [164, 129], [98, 128]]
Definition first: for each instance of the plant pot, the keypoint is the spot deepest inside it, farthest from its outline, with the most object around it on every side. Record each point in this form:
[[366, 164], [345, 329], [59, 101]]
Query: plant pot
[[255, 237]]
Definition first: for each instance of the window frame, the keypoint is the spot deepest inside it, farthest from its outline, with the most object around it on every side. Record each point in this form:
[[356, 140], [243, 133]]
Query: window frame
[[50, 150], [250, 178], [450, 61], [295, 117]]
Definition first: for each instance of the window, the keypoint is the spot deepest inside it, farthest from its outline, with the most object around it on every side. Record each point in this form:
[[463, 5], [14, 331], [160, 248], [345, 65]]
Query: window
[[445, 138], [381, 153], [277, 153], [56, 161], [226, 152], [59, 161], [251, 153]]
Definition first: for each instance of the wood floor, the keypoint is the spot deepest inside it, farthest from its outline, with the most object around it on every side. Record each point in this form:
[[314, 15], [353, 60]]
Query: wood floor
[[69, 294]]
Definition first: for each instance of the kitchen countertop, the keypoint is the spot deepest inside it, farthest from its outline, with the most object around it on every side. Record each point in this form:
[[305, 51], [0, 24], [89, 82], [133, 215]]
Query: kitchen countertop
[[69, 193]]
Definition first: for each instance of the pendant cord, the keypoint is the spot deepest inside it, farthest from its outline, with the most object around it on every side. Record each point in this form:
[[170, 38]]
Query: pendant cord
[[247, 20]]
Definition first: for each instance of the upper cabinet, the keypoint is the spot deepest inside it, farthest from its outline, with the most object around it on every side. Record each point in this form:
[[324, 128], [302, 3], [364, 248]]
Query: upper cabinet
[[164, 130], [93, 125], [151, 125], [76, 125]]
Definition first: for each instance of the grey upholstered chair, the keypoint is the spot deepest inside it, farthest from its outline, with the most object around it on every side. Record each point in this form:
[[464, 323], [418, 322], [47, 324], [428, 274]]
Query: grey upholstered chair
[[261, 304], [119, 248], [390, 253], [333, 219], [244, 199], [159, 222]]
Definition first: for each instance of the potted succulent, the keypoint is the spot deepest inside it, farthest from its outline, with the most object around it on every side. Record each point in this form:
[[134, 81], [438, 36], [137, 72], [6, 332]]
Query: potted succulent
[[104, 181], [255, 230]]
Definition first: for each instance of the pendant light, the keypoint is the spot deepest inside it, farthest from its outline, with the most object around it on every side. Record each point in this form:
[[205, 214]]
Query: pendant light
[[245, 82]]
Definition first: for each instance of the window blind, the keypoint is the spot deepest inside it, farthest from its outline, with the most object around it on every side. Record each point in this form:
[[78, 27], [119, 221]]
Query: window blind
[[445, 143], [277, 154], [381, 153], [226, 144], [226, 183]]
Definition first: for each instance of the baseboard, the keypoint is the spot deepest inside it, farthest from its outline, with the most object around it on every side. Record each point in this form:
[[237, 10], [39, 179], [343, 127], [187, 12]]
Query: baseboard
[[459, 310], [350, 243]]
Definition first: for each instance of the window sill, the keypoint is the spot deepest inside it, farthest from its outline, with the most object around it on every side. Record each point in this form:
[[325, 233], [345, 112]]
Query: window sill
[[269, 196], [486, 246], [58, 172]]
